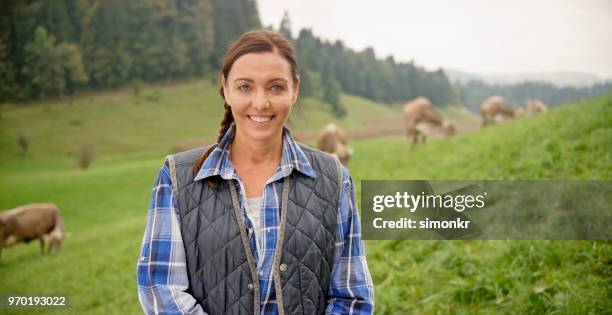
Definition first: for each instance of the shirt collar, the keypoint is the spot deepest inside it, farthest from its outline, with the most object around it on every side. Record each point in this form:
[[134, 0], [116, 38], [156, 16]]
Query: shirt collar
[[219, 163]]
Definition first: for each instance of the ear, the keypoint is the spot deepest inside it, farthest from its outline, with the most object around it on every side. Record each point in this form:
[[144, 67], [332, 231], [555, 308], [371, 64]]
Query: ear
[[224, 86], [296, 91]]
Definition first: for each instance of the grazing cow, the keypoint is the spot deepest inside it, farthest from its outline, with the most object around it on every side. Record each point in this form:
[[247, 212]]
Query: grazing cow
[[422, 119], [535, 106], [40, 221], [332, 139], [495, 110]]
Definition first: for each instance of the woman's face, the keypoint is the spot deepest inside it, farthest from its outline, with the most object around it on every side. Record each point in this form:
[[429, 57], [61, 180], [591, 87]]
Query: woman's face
[[260, 91]]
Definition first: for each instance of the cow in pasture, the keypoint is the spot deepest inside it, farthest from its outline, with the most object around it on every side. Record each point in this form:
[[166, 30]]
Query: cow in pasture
[[421, 119], [332, 139], [494, 110], [40, 221], [535, 106]]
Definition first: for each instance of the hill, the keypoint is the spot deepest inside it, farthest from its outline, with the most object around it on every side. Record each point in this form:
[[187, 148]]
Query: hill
[[496, 277], [105, 207]]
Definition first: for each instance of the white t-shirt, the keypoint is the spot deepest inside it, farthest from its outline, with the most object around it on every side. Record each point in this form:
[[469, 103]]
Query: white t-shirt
[[253, 212]]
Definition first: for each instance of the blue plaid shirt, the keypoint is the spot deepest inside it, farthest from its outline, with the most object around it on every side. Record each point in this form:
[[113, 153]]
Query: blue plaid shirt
[[162, 269]]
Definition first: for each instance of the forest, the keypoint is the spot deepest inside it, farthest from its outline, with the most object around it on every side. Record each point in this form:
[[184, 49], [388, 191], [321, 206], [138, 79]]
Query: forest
[[50, 48]]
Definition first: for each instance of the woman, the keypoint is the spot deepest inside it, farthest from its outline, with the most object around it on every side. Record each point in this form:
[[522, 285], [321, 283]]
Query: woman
[[258, 223]]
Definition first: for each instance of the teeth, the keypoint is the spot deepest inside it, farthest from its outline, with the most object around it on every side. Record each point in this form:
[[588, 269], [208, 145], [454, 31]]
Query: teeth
[[260, 119]]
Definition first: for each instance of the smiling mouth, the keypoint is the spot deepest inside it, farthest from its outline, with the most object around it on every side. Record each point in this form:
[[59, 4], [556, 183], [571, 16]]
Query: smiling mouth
[[260, 119]]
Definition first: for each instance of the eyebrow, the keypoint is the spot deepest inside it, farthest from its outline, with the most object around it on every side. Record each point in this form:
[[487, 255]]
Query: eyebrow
[[278, 79], [251, 80]]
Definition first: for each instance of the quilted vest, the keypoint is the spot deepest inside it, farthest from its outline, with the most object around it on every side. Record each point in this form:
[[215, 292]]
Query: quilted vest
[[221, 267]]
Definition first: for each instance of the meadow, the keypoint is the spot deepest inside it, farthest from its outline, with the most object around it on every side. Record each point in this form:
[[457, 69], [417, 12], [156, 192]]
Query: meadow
[[104, 207]]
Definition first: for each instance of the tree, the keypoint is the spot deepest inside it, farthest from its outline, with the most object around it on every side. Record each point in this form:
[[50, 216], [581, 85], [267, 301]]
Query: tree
[[104, 42], [231, 19], [195, 25], [72, 63], [8, 87], [310, 84], [331, 95], [285, 26], [44, 65], [61, 18]]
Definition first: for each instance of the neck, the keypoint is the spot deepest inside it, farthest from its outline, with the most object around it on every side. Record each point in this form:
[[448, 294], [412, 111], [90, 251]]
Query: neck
[[247, 152]]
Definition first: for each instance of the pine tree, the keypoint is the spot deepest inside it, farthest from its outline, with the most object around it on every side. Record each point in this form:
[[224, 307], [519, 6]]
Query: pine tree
[[285, 26]]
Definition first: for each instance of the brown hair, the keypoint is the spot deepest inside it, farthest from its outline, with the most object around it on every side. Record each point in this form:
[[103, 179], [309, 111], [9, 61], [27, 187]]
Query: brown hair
[[255, 41]]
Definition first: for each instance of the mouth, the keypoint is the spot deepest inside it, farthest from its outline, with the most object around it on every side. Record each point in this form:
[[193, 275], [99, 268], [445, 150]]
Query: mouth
[[260, 119]]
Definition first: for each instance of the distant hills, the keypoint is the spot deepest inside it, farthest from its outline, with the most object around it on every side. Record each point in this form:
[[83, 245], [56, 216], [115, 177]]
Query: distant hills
[[556, 78]]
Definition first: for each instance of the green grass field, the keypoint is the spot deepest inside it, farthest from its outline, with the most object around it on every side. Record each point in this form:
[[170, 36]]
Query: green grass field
[[105, 207]]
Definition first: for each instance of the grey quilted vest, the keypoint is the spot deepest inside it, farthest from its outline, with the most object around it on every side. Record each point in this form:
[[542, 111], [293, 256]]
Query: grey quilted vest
[[221, 267]]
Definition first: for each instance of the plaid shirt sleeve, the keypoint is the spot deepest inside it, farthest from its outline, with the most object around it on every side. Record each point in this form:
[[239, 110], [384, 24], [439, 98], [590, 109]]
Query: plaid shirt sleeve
[[351, 288], [162, 269]]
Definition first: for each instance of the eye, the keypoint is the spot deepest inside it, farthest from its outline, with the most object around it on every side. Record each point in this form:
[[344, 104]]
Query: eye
[[244, 88], [277, 88]]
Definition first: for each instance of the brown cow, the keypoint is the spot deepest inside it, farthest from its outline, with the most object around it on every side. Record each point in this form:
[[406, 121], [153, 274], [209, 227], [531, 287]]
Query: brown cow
[[535, 106], [422, 119], [495, 110], [332, 139], [40, 221]]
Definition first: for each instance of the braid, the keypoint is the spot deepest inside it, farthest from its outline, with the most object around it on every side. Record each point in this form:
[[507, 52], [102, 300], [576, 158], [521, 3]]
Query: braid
[[226, 122]]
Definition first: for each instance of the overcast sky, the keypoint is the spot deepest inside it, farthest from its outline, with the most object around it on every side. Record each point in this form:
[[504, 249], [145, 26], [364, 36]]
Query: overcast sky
[[476, 36]]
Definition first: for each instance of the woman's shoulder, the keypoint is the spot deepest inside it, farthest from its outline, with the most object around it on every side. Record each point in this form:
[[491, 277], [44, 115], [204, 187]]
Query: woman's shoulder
[[323, 161], [187, 157], [177, 167], [310, 151]]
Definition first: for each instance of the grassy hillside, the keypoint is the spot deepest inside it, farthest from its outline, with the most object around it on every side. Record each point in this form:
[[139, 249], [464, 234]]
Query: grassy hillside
[[118, 122], [496, 277], [105, 206], [571, 142]]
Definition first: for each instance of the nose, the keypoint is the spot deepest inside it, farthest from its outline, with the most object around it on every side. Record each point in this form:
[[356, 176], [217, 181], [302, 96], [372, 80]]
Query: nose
[[261, 100]]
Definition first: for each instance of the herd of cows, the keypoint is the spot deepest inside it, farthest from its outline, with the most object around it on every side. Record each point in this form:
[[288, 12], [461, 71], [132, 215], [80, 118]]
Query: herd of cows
[[421, 119]]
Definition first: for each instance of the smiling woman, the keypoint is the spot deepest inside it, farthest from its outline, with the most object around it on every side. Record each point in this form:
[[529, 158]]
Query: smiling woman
[[262, 90], [256, 223]]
